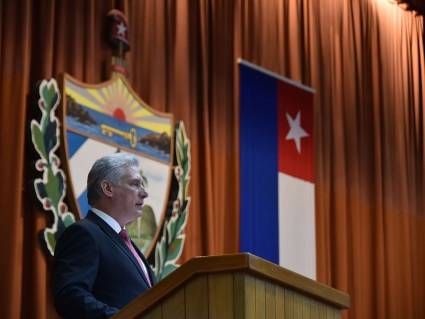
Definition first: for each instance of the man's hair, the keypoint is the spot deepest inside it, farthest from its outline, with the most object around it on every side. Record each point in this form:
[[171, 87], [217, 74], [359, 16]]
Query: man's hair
[[111, 168]]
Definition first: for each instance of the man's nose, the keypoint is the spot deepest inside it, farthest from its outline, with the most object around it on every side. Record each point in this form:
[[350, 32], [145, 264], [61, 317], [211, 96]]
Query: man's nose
[[143, 193]]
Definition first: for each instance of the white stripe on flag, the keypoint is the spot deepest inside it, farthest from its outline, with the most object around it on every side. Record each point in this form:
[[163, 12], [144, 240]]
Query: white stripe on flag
[[297, 238], [82, 161]]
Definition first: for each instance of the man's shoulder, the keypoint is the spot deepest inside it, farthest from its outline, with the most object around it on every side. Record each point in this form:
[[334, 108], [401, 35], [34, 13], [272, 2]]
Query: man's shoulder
[[84, 223], [86, 232], [82, 227]]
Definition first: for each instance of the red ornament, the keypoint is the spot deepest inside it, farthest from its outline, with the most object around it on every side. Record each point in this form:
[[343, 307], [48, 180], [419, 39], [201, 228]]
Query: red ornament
[[46, 203], [40, 165]]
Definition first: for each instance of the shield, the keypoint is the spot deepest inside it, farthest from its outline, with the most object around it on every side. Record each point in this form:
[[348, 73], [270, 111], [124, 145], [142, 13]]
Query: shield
[[109, 117]]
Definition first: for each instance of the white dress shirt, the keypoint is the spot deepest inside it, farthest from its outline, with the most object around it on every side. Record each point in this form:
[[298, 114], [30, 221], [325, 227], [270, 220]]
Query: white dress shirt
[[107, 219]]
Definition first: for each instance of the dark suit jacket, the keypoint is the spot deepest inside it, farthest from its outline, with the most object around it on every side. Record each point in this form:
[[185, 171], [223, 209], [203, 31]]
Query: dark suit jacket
[[95, 272]]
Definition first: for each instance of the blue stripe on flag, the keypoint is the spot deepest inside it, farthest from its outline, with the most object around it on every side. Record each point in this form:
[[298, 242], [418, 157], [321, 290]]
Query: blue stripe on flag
[[259, 227], [83, 203], [74, 142]]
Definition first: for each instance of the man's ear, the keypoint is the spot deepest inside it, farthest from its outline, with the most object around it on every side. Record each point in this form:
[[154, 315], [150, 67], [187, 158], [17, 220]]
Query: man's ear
[[107, 188]]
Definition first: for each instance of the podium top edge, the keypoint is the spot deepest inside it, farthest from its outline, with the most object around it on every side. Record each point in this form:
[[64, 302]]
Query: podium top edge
[[258, 266]]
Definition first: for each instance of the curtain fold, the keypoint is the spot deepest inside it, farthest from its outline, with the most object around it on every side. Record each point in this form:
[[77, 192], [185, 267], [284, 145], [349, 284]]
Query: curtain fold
[[365, 58], [14, 75]]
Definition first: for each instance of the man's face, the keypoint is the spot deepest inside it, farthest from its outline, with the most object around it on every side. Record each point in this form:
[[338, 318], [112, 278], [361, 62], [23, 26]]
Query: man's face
[[129, 194]]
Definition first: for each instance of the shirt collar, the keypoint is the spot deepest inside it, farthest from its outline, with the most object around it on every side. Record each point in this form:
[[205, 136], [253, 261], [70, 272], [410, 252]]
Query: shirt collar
[[107, 219]]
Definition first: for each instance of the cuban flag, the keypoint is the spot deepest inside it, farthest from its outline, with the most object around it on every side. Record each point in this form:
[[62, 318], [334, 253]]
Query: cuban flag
[[277, 217]]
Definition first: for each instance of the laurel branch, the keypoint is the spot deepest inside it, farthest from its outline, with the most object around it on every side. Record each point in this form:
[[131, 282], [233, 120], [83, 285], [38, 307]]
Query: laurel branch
[[170, 245], [51, 189]]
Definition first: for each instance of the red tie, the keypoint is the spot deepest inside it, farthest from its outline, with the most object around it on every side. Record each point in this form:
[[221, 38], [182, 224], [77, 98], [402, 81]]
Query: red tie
[[124, 235]]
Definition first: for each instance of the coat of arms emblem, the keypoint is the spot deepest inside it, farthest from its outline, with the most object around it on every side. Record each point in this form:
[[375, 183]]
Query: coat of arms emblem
[[100, 119]]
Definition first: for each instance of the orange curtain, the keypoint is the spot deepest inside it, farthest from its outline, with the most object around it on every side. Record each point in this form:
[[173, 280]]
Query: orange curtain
[[365, 58], [39, 39]]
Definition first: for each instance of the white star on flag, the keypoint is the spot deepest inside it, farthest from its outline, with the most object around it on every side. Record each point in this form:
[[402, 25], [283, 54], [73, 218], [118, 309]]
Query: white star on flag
[[296, 132], [121, 29]]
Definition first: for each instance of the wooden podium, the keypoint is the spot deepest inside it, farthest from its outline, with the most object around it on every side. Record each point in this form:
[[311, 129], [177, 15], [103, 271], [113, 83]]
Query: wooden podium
[[236, 286]]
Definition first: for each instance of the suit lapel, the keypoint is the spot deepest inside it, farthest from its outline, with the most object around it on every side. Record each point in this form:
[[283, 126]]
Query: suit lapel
[[116, 239]]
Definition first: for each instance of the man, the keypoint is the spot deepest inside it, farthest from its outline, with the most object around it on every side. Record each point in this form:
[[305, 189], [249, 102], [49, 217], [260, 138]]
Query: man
[[98, 269]]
